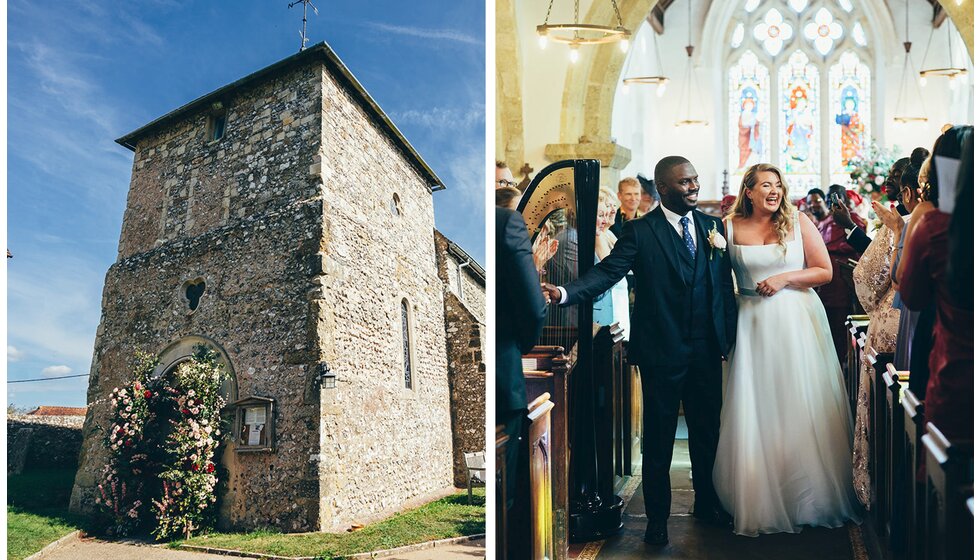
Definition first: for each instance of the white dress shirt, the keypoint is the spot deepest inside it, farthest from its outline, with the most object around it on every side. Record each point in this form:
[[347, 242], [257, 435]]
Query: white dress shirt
[[675, 222]]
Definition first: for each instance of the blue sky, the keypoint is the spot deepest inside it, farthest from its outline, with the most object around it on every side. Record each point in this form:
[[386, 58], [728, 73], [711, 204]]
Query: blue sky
[[83, 73]]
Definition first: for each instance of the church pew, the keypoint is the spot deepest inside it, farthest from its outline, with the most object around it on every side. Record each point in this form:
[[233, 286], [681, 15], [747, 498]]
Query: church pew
[[877, 459], [893, 429], [855, 324], [912, 521], [546, 370], [949, 477], [539, 445], [500, 478]]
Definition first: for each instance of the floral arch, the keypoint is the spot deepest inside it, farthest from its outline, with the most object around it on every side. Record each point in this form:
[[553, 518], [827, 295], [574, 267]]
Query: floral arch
[[798, 89]]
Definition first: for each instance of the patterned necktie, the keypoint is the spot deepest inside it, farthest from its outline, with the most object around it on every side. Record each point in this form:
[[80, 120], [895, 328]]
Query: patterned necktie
[[688, 240]]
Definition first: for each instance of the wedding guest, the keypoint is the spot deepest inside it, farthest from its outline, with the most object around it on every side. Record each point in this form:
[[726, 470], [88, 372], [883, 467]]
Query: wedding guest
[[507, 197], [649, 198], [923, 278], [895, 219], [875, 292], [521, 311], [856, 237], [838, 295], [629, 194], [613, 305], [905, 344], [503, 177]]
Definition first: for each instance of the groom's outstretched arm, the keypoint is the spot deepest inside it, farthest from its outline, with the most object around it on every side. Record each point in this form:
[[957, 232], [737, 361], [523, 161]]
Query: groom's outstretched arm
[[610, 270]]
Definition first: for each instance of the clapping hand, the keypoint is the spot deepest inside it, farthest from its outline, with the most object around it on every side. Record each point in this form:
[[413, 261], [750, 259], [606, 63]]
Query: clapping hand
[[771, 285], [889, 217], [550, 293], [543, 249], [841, 214]]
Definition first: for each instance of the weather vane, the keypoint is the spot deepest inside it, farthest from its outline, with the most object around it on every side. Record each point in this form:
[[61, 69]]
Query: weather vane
[[302, 33]]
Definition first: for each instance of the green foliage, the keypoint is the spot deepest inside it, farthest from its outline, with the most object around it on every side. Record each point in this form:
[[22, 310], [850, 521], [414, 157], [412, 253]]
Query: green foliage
[[162, 442], [37, 510], [449, 517]]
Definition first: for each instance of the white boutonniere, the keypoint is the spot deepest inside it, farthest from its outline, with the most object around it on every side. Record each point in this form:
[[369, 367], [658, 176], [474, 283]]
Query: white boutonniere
[[716, 240]]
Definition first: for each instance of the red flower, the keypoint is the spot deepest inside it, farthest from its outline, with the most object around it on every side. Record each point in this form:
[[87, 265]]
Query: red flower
[[129, 443], [210, 467], [194, 467], [185, 411], [147, 393]]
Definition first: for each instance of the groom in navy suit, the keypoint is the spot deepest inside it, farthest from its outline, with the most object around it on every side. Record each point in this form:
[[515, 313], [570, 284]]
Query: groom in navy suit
[[683, 326]]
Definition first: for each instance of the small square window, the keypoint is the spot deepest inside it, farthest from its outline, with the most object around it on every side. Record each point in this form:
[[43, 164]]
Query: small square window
[[216, 126]]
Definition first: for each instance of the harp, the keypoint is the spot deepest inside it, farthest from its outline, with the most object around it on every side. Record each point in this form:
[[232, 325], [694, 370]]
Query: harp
[[561, 204]]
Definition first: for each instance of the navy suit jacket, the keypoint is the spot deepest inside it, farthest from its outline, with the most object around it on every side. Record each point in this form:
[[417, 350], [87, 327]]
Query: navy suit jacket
[[520, 308], [656, 336]]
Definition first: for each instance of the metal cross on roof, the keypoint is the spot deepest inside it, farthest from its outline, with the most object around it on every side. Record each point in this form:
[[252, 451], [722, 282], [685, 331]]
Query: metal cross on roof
[[302, 33]]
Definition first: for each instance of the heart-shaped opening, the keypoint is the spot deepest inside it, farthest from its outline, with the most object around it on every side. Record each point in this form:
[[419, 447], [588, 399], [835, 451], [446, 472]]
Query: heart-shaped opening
[[193, 291]]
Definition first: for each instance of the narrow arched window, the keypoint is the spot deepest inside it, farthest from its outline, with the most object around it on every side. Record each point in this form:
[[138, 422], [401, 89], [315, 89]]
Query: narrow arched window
[[406, 345]]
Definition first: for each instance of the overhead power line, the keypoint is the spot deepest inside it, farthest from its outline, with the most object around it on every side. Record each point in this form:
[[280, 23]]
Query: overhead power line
[[47, 378]]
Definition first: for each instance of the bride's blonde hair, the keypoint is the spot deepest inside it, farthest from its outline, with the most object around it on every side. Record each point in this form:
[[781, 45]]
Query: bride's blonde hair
[[782, 218]]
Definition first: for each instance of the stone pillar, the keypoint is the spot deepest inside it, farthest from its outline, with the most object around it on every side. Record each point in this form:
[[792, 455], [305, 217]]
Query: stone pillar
[[612, 158]]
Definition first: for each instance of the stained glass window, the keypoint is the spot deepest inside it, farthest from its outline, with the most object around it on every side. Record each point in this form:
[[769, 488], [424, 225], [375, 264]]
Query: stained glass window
[[858, 34], [773, 31], [798, 88], [850, 97], [798, 5], [748, 112], [823, 31], [738, 35], [406, 345], [799, 121]]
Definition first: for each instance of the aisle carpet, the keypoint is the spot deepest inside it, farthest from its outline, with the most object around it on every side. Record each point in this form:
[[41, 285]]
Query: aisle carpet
[[692, 540]]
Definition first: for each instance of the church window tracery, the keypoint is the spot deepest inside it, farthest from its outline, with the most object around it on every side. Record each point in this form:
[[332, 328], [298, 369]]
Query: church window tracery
[[812, 59]]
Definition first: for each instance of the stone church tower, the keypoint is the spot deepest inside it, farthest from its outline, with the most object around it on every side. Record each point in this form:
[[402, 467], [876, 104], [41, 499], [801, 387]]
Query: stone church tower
[[286, 222]]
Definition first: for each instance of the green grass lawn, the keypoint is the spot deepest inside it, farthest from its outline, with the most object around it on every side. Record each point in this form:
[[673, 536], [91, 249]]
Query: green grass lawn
[[441, 519], [37, 510]]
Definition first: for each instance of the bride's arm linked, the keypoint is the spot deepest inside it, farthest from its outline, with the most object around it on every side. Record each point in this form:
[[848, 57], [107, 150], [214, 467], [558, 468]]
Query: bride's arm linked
[[818, 269]]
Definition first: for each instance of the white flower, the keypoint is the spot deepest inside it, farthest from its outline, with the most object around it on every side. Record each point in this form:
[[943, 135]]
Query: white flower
[[879, 180], [717, 240], [190, 393]]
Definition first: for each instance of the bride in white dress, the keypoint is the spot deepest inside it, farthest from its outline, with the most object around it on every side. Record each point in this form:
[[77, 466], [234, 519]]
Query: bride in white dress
[[784, 454]]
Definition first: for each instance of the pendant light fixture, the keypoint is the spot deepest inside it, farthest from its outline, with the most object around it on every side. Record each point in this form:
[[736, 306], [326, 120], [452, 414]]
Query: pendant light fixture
[[577, 34], [907, 110], [689, 87], [950, 71], [655, 78]]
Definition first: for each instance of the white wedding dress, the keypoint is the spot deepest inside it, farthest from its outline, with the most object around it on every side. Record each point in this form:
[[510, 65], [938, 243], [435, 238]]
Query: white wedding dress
[[784, 453]]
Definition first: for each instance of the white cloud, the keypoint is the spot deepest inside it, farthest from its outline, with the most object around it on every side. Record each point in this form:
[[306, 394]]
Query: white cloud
[[13, 354], [54, 371], [430, 34], [442, 118]]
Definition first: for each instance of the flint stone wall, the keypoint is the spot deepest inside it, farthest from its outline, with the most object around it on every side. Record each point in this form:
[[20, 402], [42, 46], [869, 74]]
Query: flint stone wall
[[286, 220], [465, 344], [52, 442], [381, 444]]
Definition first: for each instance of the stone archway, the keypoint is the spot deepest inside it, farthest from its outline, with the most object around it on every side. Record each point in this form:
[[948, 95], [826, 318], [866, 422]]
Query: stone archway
[[173, 355]]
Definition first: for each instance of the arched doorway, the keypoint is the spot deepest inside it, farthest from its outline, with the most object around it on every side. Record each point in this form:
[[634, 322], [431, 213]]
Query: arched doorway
[[181, 351]]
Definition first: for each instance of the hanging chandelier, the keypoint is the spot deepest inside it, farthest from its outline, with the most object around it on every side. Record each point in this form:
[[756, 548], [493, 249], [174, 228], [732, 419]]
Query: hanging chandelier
[[906, 112], [576, 34], [656, 78], [950, 71], [689, 87]]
